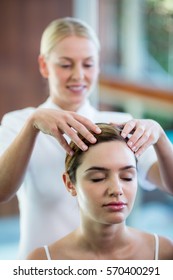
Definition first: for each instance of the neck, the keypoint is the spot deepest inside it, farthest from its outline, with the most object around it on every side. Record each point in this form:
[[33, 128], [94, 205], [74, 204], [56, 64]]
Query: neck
[[74, 107], [103, 239]]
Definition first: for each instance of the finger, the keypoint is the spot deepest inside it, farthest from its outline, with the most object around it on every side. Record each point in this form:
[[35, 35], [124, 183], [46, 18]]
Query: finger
[[80, 128], [128, 128], [139, 132], [70, 130], [88, 124], [142, 149], [71, 133], [76, 139], [62, 141], [142, 141]]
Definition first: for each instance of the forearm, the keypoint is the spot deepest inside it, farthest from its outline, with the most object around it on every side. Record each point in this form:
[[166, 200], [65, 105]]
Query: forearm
[[161, 173], [14, 161], [144, 134]]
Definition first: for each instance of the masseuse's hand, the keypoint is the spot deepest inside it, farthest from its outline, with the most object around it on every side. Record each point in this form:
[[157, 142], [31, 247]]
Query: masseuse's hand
[[56, 123], [144, 132]]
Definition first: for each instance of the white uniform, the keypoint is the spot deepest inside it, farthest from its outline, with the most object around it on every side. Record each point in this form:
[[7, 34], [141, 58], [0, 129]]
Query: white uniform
[[47, 210]]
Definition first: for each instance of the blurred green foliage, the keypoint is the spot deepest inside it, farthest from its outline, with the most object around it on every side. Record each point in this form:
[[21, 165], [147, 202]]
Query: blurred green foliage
[[159, 28]]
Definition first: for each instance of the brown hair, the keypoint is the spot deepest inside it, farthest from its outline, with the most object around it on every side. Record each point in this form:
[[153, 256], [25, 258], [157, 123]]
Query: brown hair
[[108, 133]]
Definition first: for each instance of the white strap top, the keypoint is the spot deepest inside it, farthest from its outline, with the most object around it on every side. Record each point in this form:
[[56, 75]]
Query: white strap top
[[47, 252], [156, 252]]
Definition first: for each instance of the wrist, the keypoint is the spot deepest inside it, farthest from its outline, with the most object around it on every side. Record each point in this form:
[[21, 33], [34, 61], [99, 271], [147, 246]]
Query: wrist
[[31, 125], [162, 140]]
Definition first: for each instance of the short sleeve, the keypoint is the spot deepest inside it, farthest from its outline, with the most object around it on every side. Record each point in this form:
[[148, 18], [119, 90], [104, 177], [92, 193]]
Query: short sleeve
[[146, 160]]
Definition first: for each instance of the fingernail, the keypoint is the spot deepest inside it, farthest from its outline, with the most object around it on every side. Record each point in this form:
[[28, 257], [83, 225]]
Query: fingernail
[[123, 135], [98, 130], [84, 147], [92, 139], [130, 144]]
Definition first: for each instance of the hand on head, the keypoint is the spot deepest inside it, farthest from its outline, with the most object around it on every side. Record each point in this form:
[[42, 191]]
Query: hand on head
[[144, 133], [57, 123]]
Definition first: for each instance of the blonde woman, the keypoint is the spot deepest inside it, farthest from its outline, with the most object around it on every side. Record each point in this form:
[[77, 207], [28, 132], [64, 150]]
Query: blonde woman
[[33, 141]]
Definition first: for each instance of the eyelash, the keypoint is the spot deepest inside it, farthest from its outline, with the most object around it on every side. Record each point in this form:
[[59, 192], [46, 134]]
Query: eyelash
[[85, 65], [101, 179], [97, 180], [127, 179], [88, 65], [65, 66]]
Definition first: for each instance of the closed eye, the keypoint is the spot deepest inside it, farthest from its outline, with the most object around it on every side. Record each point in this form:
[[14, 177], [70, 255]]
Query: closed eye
[[66, 66], [88, 65], [127, 179], [97, 180]]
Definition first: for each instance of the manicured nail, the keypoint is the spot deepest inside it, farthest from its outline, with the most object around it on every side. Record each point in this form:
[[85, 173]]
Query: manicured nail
[[84, 147], [92, 139], [98, 130], [130, 144]]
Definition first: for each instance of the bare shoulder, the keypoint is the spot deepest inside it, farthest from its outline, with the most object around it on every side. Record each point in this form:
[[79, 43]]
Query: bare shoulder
[[58, 250], [37, 254], [165, 248]]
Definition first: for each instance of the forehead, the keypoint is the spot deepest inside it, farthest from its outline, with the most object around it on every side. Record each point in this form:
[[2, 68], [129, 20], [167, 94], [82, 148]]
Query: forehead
[[108, 154], [73, 46]]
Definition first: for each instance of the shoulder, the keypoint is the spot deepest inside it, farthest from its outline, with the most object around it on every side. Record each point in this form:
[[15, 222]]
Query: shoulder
[[37, 254], [165, 248], [14, 121], [18, 114], [64, 248]]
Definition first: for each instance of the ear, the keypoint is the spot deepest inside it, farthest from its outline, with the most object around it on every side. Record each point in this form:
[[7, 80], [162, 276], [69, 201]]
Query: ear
[[43, 66], [69, 185]]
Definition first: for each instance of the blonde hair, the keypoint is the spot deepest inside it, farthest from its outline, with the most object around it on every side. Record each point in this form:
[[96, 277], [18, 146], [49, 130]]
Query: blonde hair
[[62, 28]]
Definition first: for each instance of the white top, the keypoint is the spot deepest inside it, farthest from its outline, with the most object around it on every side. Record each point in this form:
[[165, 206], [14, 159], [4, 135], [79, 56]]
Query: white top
[[156, 249], [47, 210]]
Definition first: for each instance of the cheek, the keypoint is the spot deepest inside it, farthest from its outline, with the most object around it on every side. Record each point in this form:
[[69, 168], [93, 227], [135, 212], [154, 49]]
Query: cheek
[[60, 75], [131, 194], [85, 195], [94, 74]]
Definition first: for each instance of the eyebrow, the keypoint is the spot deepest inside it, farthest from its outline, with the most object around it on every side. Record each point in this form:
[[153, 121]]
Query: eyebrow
[[70, 59], [98, 168]]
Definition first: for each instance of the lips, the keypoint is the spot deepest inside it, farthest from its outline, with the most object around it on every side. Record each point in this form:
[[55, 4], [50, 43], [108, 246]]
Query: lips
[[116, 206], [76, 88]]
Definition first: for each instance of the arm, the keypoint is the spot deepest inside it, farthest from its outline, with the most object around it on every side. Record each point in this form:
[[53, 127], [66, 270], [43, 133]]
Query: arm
[[144, 134], [14, 161], [161, 172]]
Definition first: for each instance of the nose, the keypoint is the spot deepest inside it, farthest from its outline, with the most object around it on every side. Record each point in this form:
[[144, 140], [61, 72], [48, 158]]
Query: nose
[[115, 187], [78, 73]]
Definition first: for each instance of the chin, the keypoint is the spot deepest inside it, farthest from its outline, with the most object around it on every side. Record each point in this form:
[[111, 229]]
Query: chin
[[115, 220], [120, 217], [77, 101]]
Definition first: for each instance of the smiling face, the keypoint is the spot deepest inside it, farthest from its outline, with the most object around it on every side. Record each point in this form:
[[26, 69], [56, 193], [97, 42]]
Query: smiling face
[[106, 182], [72, 71]]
